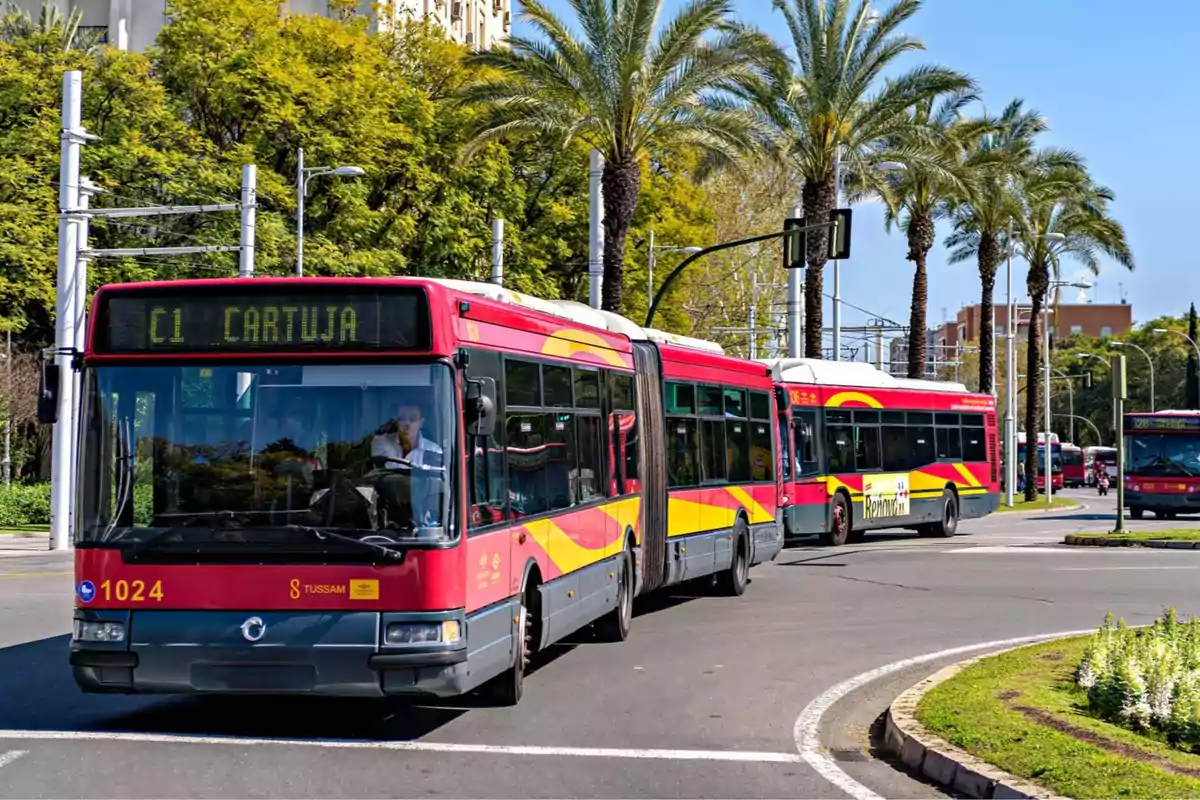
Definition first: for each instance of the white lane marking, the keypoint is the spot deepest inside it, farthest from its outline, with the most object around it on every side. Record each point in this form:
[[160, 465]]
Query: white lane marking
[[1000, 548], [421, 747], [11, 756], [807, 730], [1112, 569]]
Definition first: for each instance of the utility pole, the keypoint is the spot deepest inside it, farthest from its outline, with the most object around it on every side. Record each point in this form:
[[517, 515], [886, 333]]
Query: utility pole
[[249, 207], [793, 248], [595, 228], [753, 313], [498, 252], [62, 456]]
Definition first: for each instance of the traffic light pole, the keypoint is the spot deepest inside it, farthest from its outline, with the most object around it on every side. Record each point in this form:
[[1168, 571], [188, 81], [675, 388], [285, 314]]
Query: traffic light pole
[[662, 289]]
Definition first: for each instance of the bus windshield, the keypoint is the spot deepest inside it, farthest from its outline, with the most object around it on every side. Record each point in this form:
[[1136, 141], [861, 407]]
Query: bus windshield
[[1163, 455], [218, 456]]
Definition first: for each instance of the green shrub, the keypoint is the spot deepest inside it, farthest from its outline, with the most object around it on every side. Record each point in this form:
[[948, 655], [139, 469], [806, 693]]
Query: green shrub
[[1146, 679], [25, 504]]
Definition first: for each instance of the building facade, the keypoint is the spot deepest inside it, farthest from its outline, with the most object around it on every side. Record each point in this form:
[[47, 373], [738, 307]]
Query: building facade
[[133, 25], [946, 343]]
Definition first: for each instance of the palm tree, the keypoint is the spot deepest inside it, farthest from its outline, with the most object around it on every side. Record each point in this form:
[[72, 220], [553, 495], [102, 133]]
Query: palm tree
[[65, 31], [1067, 216], [627, 92], [834, 111], [981, 218], [927, 190]]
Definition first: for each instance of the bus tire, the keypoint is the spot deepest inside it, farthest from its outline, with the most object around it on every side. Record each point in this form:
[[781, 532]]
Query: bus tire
[[507, 687], [838, 530], [1136, 512], [948, 525], [614, 626], [732, 582]]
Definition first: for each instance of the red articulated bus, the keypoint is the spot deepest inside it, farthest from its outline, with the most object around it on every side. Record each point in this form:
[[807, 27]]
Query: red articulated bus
[[864, 450], [1162, 463], [394, 486]]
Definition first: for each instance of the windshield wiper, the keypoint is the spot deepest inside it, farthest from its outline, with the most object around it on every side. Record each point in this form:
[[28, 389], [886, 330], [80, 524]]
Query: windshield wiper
[[325, 533]]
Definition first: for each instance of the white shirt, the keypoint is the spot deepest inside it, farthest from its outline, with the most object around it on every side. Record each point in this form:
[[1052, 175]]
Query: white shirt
[[386, 445]]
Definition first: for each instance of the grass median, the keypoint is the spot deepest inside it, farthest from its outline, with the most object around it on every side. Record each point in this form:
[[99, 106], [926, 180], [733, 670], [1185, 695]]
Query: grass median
[[1021, 504], [23, 530], [1022, 711], [1176, 535]]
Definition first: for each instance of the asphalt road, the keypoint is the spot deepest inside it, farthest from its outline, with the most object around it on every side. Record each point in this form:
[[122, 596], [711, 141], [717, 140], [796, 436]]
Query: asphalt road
[[710, 697]]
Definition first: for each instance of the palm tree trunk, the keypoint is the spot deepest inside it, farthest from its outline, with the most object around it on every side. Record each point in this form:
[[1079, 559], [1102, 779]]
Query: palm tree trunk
[[920, 242], [1033, 378], [989, 262], [621, 183], [819, 198]]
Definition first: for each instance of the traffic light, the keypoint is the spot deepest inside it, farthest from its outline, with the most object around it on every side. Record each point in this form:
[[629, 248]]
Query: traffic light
[[795, 244], [1088, 380], [839, 234]]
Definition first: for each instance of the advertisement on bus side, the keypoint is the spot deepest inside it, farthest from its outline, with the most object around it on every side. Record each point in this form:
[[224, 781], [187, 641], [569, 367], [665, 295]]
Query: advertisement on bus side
[[885, 496]]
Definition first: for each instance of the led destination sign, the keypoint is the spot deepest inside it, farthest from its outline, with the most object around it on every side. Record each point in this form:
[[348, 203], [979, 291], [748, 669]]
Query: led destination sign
[[143, 322]]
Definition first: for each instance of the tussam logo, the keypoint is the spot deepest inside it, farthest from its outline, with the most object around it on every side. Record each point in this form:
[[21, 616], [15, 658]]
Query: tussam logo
[[885, 496]]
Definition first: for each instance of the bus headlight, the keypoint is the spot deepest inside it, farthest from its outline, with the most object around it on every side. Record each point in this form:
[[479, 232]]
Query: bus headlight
[[87, 631], [445, 632]]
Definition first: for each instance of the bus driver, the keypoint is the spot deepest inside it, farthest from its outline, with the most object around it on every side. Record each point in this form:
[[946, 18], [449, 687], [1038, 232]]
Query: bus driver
[[413, 463], [406, 446]]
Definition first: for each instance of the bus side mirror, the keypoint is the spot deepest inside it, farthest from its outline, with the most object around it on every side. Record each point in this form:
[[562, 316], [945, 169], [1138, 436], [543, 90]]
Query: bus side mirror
[[48, 383], [479, 406]]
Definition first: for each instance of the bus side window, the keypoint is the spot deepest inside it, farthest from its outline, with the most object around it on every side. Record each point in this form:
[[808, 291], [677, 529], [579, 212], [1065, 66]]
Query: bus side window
[[805, 453]]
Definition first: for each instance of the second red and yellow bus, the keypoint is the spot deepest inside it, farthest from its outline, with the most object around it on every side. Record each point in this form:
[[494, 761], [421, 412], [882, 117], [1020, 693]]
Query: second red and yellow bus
[[865, 450]]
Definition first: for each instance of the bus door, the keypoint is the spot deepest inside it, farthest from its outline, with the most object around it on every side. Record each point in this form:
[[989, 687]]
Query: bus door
[[809, 497]]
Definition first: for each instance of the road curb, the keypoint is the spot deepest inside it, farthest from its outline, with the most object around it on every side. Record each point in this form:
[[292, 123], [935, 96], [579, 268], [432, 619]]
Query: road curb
[[941, 762], [1093, 540], [1076, 507]]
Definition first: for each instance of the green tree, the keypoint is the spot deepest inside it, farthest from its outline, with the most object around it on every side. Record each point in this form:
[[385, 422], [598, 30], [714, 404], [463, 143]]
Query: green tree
[[982, 217], [626, 92], [1067, 216], [836, 108]]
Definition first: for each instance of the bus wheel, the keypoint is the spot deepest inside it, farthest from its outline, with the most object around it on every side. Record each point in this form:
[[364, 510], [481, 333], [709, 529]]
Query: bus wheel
[[839, 523], [507, 687], [732, 582], [614, 626], [1136, 513], [949, 523]]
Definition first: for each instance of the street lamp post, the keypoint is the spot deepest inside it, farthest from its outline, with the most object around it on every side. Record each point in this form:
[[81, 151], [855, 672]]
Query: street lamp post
[[1053, 285], [303, 176], [1149, 361], [1190, 341], [1082, 356], [883, 166], [661, 248]]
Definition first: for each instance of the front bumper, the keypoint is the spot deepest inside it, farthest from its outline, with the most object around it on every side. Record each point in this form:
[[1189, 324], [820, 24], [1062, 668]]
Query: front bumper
[[302, 652]]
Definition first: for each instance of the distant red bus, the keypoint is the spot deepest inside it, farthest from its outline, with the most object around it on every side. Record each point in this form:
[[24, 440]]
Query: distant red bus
[[867, 450], [1056, 460], [394, 486], [1162, 463], [1073, 473]]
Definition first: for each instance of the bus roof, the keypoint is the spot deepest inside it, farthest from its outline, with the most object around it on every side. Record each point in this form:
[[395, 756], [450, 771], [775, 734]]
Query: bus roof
[[578, 313], [851, 373]]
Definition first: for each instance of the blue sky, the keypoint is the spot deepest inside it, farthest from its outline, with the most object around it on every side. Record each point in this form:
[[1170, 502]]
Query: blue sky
[[1117, 82]]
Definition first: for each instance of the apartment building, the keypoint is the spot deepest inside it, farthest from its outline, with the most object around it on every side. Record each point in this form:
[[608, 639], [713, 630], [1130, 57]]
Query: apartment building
[[134, 24], [945, 343]]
